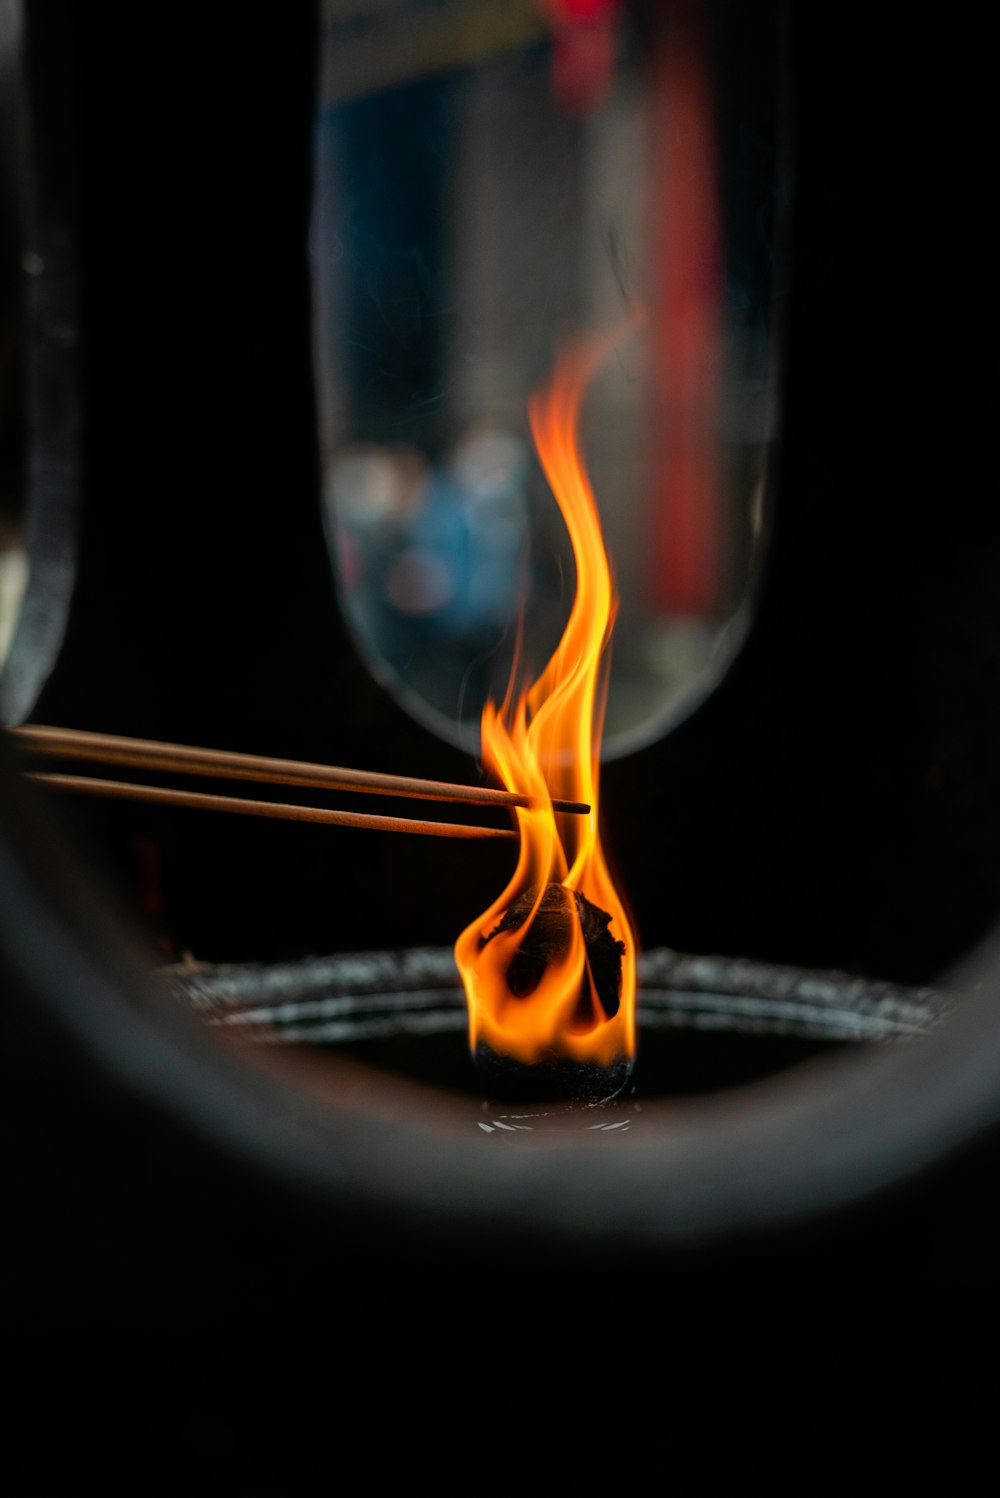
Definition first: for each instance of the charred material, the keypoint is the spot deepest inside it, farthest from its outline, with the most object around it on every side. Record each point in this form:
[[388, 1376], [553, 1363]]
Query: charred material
[[552, 1078], [548, 938]]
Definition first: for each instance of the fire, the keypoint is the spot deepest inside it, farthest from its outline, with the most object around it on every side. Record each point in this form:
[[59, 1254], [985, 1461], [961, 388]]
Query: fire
[[537, 990]]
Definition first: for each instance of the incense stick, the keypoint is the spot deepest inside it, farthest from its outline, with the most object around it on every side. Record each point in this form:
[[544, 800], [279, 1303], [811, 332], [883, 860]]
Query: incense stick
[[125, 791], [183, 759]]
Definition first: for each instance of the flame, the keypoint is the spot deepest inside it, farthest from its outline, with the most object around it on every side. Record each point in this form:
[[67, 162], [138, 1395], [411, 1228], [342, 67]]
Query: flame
[[546, 741]]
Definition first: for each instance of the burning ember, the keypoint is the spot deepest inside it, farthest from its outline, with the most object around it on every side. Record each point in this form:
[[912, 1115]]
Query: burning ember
[[549, 968]]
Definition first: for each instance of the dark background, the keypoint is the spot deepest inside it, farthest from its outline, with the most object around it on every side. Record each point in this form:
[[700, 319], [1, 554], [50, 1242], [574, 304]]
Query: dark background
[[835, 802]]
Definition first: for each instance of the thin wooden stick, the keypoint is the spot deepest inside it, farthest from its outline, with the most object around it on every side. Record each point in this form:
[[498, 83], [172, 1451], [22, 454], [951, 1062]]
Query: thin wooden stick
[[123, 790], [182, 759]]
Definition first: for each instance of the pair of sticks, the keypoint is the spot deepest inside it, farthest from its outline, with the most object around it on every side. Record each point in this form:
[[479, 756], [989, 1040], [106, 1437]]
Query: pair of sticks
[[182, 759]]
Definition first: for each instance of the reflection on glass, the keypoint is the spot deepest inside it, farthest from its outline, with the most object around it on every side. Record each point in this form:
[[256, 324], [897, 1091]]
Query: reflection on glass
[[492, 179], [14, 264]]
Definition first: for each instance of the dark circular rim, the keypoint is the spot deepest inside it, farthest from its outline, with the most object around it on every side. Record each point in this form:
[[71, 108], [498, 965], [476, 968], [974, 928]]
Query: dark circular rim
[[832, 1132]]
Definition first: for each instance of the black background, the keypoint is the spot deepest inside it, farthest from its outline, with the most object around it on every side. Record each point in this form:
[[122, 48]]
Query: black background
[[835, 802]]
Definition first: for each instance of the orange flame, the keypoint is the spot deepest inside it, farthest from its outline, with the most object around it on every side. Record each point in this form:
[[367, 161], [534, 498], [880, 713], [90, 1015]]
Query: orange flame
[[546, 741]]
